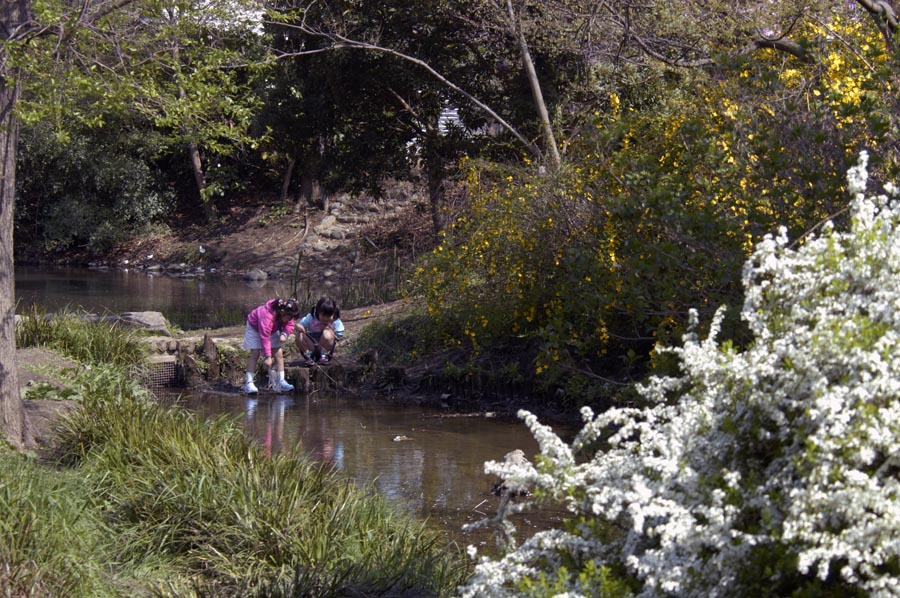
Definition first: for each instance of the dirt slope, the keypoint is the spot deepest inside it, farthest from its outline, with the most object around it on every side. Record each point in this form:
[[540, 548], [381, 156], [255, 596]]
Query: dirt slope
[[354, 236]]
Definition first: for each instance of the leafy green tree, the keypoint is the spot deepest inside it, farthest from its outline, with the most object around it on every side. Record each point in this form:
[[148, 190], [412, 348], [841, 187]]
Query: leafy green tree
[[421, 59], [298, 119], [430, 37], [62, 63], [341, 132], [352, 132], [197, 64], [87, 191]]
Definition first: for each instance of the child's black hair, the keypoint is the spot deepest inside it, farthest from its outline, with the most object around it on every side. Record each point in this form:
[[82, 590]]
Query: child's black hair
[[287, 306], [326, 306]]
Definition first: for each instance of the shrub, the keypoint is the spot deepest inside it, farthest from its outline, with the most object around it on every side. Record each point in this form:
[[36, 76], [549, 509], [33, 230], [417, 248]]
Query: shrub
[[89, 190], [771, 470], [660, 201], [51, 541]]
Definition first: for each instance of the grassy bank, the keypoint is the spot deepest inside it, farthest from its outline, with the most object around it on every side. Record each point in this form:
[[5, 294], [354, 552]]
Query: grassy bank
[[143, 499]]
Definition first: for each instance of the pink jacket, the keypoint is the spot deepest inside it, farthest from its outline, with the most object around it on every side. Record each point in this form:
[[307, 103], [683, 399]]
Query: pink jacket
[[266, 322]]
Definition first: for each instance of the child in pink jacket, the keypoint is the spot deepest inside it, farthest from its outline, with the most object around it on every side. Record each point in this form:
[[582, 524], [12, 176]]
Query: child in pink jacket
[[268, 328]]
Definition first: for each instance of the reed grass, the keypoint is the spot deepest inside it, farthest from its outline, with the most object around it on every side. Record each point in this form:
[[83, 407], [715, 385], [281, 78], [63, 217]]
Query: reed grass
[[200, 494], [352, 291], [51, 540], [72, 334]]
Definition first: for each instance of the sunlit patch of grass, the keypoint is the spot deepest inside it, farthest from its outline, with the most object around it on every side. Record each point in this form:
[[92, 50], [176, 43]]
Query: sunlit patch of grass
[[73, 335]]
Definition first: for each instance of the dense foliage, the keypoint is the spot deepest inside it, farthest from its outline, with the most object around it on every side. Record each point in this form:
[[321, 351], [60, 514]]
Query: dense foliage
[[664, 191], [764, 471], [89, 191]]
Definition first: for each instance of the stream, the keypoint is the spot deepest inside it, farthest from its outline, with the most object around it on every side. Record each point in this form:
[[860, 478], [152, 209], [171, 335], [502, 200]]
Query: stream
[[427, 462], [424, 461]]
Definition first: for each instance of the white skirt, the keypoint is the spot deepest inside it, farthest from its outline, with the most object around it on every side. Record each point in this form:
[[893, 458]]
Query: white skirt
[[252, 340]]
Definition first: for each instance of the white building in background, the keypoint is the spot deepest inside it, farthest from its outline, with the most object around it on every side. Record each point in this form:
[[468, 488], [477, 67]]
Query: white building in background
[[449, 116]]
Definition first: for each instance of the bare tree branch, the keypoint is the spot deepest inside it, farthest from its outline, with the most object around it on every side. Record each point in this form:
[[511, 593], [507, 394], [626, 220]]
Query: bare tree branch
[[885, 18]]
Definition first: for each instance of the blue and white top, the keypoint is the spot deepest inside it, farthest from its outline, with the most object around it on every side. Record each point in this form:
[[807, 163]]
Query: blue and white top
[[314, 326]]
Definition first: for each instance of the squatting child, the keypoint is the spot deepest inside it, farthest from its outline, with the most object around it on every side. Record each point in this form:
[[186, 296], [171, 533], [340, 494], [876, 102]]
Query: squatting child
[[319, 331]]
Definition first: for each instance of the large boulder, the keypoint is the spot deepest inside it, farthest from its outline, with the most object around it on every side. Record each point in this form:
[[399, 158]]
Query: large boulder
[[152, 321]]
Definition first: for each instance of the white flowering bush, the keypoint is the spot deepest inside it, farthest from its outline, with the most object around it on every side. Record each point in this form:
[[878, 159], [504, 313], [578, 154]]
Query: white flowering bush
[[774, 470]]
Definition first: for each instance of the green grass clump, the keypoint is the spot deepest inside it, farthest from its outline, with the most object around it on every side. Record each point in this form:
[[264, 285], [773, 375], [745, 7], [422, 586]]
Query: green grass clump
[[75, 336], [51, 540], [202, 497]]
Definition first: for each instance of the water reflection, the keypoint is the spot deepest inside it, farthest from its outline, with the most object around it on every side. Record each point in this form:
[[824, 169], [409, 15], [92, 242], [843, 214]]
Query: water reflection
[[189, 303], [417, 458], [269, 429]]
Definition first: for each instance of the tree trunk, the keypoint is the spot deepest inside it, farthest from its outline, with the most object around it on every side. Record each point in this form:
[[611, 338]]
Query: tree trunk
[[12, 415], [435, 174], [307, 187], [310, 190], [536, 93], [435, 197], [209, 211], [286, 183]]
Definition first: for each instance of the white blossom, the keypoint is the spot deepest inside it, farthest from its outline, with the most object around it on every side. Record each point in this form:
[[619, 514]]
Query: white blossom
[[789, 446]]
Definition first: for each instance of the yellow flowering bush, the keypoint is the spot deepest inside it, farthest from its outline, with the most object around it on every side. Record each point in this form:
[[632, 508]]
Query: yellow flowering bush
[[656, 208]]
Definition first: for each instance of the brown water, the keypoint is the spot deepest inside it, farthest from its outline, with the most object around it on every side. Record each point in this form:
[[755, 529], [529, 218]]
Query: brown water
[[187, 302], [426, 462]]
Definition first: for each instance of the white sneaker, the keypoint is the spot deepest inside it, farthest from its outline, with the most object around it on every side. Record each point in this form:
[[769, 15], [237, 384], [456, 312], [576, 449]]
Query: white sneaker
[[250, 387], [283, 386]]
